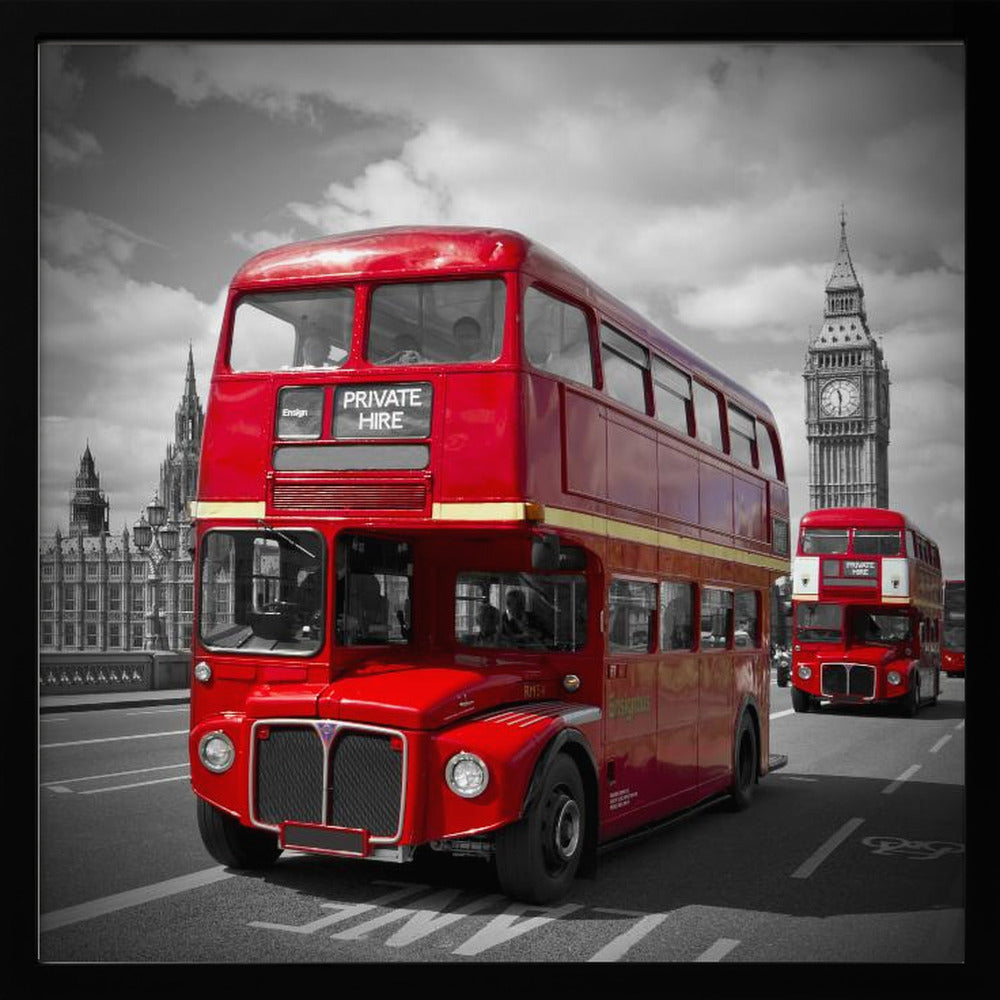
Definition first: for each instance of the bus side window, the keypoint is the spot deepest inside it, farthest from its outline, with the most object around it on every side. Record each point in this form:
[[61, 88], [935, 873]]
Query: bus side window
[[557, 338], [708, 424]]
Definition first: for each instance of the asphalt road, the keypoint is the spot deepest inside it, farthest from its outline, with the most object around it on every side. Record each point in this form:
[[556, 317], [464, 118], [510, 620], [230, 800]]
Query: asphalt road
[[852, 853]]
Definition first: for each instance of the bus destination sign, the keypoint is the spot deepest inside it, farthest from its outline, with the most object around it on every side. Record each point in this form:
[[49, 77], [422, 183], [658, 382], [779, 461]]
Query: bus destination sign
[[396, 410]]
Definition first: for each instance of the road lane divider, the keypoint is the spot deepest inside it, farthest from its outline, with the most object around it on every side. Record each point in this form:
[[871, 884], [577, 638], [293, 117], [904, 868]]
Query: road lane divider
[[59, 783], [133, 897], [815, 860], [905, 776], [940, 743], [111, 739]]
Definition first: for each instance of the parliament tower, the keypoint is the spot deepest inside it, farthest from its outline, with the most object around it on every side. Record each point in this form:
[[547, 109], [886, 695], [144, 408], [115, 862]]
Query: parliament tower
[[847, 398]]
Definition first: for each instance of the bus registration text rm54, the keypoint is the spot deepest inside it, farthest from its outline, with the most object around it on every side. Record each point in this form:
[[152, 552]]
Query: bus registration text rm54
[[396, 410]]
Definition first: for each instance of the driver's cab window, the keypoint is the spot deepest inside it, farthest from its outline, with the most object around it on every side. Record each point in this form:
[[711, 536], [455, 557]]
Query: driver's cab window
[[373, 584]]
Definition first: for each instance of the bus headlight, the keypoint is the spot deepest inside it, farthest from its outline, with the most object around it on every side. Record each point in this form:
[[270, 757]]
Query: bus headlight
[[894, 677], [216, 752], [805, 671], [203, 672], [466, 775]]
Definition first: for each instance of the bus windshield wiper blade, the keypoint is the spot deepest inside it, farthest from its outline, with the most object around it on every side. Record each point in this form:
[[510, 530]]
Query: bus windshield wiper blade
[[287, 539]]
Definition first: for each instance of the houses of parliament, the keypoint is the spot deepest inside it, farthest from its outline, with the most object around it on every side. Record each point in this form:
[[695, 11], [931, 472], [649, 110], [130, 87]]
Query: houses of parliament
[[104, 592]]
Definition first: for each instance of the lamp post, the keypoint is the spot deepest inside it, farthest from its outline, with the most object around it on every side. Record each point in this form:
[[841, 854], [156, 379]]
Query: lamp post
[[157, 540]]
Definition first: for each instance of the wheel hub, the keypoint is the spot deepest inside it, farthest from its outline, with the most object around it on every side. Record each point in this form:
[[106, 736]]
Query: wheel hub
[[566, 828]]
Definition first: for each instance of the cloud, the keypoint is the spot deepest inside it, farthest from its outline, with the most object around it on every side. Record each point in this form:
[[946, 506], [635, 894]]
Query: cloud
[[112, 353], [60, 88], [263, 239]]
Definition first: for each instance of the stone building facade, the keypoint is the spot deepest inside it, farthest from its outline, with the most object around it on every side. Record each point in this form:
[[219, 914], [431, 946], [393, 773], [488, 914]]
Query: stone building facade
[[98, 591]]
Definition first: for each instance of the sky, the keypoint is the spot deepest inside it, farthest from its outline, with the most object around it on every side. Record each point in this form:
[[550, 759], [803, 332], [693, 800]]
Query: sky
[[700, 183]]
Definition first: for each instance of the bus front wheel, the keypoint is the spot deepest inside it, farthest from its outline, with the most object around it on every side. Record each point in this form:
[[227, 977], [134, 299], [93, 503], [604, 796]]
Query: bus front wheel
[[233, 844], [538, 856], [802, 701], [911, 702]]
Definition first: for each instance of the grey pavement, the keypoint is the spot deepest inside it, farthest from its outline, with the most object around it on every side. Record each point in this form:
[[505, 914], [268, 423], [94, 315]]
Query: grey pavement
[[114, 699]]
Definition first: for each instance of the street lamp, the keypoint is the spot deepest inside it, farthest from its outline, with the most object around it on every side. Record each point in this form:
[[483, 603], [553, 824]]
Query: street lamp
[[157, 540]]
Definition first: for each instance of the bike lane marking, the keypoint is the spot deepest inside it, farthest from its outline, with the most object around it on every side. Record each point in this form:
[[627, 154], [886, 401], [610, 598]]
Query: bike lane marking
[[905, 776], [618, 946], [812, 863], [718, 951], [133, 897], [511, 924]]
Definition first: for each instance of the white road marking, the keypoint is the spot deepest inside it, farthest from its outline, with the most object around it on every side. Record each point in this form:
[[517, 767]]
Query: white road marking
[[133, 897], [778, 715], [347, 910], [961, 725], [905, 776], [157, 711], [112, 774], [505, 927], [812, 863], [796, 777], [940, 743], [718, 951], [134, 784], [112, 739], [617, 947]]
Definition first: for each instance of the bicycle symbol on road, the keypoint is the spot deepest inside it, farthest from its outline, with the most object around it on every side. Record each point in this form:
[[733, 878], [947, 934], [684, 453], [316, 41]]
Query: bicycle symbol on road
[[916, 850]]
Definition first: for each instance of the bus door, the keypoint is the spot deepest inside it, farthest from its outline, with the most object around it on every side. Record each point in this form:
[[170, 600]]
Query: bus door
[[677, 690], [630, 697]]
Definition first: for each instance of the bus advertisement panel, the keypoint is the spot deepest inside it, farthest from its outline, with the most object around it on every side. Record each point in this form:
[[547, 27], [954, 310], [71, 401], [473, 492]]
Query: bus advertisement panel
[[867, 611], [483, 562]]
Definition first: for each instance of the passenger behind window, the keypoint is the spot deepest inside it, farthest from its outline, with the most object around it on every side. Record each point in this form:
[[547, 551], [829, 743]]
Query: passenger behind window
[[315, 352], [489, 626], [517, 620], [468, 338]]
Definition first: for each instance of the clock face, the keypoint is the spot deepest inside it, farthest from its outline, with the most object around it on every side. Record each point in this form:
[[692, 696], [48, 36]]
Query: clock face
[[840, 398]]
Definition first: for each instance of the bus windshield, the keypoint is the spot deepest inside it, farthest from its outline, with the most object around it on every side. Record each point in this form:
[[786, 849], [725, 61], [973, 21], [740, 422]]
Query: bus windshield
[[262, 591], [520, 610], [824, 541], [436, 322], [818, 622], [954, 638], [373, 590], [303, 329]]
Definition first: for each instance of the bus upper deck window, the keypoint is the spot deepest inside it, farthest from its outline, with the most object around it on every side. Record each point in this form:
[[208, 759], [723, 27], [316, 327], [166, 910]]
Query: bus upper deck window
[[556, 338], [278, 330], [824, 541], [436, 322]]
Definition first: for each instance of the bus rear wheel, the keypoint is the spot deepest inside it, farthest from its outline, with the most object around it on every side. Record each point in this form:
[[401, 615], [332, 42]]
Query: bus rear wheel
[[537, 857], [231, 843], [744, 764], [802, 701]]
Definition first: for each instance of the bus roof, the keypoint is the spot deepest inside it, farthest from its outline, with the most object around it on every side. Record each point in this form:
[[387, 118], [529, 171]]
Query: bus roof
[[399, 251], [858, 517]]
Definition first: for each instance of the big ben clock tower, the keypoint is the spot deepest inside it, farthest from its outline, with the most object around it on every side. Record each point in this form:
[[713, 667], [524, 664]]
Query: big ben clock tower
[[847, 398]]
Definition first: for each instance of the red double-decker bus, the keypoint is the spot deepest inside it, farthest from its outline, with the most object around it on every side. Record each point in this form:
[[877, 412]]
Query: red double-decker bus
[[866, 594], [483, 562], [953, 636]]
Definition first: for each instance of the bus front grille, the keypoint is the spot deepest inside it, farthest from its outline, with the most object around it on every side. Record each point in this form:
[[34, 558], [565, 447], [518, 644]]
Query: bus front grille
[[354, 778], [855, 680], [359, 495]]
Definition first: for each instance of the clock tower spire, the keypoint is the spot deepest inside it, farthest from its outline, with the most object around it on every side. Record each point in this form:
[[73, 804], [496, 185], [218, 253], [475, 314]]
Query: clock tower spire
[[847, 397]]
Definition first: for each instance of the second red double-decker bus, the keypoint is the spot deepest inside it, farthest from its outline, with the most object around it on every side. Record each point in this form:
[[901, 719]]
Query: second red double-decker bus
[[953, 637], [866, 594], [483, 562]]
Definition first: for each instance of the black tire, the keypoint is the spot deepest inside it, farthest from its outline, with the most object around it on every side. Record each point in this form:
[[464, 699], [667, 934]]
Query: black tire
[[538, 856], [911, 700], [802, 701], [231, 843], [745, 764]]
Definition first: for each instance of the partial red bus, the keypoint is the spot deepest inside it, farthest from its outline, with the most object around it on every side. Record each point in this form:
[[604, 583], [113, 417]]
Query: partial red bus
[[953, 637], [483, 562], [867, 605]]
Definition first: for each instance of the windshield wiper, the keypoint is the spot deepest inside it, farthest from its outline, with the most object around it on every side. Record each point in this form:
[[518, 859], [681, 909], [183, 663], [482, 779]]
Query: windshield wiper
[[287, 539]]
